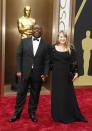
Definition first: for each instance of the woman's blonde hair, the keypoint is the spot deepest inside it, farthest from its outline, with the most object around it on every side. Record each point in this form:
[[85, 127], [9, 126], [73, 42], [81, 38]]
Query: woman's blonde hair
[[68, 45]]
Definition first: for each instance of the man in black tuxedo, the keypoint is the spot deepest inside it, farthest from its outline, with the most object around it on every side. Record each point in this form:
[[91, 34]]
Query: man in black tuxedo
[[32, 61]]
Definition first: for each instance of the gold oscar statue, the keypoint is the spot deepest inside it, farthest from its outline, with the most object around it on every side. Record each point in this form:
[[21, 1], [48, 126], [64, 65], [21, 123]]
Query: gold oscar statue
[[86, 47], [25, 23]]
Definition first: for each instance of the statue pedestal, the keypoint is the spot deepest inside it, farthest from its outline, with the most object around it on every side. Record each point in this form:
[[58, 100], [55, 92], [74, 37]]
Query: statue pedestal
[[83, 81]]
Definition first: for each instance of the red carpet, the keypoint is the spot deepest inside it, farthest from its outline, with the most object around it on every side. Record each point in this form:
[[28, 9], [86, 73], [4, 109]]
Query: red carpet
[[45, 122]]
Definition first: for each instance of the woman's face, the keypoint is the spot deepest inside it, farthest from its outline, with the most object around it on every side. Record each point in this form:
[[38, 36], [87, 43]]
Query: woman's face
[[62, 38]]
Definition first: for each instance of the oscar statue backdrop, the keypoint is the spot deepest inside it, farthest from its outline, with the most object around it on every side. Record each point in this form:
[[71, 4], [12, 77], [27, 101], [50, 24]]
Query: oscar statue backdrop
[[83, 41]]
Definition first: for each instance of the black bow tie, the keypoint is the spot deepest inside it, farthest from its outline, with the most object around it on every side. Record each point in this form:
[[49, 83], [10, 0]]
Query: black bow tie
[[35, 39]]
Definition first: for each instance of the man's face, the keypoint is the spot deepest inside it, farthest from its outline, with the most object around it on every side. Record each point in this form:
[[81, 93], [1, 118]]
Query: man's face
[[37, 31]]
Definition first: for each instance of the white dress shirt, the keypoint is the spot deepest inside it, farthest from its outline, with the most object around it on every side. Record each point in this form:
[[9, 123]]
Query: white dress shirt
[[35, 44]]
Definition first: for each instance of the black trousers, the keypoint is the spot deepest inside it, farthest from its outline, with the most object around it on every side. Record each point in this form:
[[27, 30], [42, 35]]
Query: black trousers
[[35, 83]]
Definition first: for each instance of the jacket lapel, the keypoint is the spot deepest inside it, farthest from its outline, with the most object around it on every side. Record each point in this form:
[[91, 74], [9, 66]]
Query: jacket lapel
[[31, 46], [39, 48]]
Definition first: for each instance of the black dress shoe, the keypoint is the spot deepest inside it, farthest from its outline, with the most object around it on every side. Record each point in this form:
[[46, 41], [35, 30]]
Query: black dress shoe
[[14, 118], [33, 118]]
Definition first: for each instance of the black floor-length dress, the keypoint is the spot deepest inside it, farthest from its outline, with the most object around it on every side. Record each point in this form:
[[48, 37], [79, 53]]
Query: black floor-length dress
[[64, 106]]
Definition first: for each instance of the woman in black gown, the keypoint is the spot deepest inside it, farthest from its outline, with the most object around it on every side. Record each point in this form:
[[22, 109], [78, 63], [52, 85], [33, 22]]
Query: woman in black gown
[[64, 106]]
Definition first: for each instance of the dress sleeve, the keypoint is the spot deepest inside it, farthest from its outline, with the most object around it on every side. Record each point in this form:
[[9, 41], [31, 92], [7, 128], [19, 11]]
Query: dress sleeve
[[51, 57], [74, 62]]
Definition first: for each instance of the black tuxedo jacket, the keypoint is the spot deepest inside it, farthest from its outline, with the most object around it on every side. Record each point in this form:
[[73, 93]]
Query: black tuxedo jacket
[[25, 58]]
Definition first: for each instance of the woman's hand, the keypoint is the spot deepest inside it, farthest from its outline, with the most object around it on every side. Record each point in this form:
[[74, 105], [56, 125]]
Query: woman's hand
[[18, 74], [75, 76], [44, 77]]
